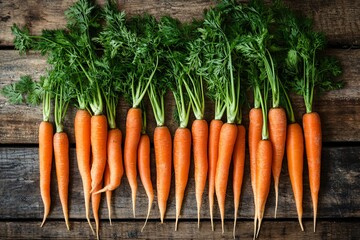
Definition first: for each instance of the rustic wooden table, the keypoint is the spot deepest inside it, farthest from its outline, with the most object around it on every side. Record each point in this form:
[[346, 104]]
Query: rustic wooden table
[[339, 204]]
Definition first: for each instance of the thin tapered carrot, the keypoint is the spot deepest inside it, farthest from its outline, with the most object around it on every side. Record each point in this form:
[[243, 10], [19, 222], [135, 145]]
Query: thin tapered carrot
[[213, 150], [82, 126], [313, 145], [163, 159], [99, 129], [108, 193], [238, 169], [132, 138], [95, 202], [295, 159], [200, 133], [255, 128], [114, 160], [144, 171], [61, 153], [182, 151], [263, 177], [46, 134], [227, 141], [277, 133]]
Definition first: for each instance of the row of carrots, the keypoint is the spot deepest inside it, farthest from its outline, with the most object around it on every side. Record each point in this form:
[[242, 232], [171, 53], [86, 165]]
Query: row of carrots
[[266, 49]]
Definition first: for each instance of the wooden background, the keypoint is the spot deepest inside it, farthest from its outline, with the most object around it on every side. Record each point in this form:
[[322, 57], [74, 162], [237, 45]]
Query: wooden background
[[21, 208]]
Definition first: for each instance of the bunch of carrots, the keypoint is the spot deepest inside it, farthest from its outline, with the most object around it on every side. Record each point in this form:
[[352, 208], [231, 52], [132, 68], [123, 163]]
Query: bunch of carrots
[[102, 55]]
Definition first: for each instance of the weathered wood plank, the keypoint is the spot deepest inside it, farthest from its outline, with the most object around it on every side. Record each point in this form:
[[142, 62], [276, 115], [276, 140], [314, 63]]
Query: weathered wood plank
[[20, 198], [19, 124], [187, 230], [339, 19]]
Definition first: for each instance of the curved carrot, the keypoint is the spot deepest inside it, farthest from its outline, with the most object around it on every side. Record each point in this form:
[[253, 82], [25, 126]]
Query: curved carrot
[[99, 131], [182, 151], [263, 177], [238, 169], [61, 153], [213, 150], [277, 132], [163, 159], [114, 160], [200, 133], [295, 158], [46, 133], [227, 141], [144, 171], [82, 127], [95, 202], [313, 145], [132, 138], [255, 128]]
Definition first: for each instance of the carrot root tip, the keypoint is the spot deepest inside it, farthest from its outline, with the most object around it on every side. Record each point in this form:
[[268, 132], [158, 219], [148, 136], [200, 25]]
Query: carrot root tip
[[258, 230], [301, 225], [276, 197], [176, 222], [91, 227]]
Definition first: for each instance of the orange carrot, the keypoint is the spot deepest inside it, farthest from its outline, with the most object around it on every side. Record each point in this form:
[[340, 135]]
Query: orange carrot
[[238, 169], [132, 138], [82, 126], [163, 159], [295, 158], [313, 145], [61, 153], [255, 127], [227, 141], [114, 160], [263, 177], [95, 202], [144, 171], [213, 150], [182, 151], [277, 133], [46, 134], [200, 132], [108, 193], [99, 131]]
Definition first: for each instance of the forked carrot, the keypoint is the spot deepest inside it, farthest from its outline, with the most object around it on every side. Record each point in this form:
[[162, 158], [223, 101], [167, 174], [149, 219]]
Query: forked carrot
[[213, 150], [295, 158], [61, 153], [313, 145], [46, 134], [163, 159], [227, 141], [145, 171], [182, 151], [132, 138], [277, 133], [82, 127], [99, 130], [238, 169]]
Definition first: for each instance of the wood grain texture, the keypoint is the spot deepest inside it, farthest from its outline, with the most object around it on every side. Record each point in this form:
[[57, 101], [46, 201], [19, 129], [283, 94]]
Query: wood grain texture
[[188, 230], [20, 197], [19, 124], [339, 19]]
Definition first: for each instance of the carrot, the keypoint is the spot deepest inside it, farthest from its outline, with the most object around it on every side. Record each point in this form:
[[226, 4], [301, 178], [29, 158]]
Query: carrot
[[263, 177], [114, 160], [238, 169], [182, 148], [200, 134], [98, 146], [295, 158], [144, 171], [227, 141], [95, 202], [82, 126], [313, 145], [277, 132], [163, 159], [61, 153], [108, 193], [255, 125], [46, 133], [132, 138], [213, 150]]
